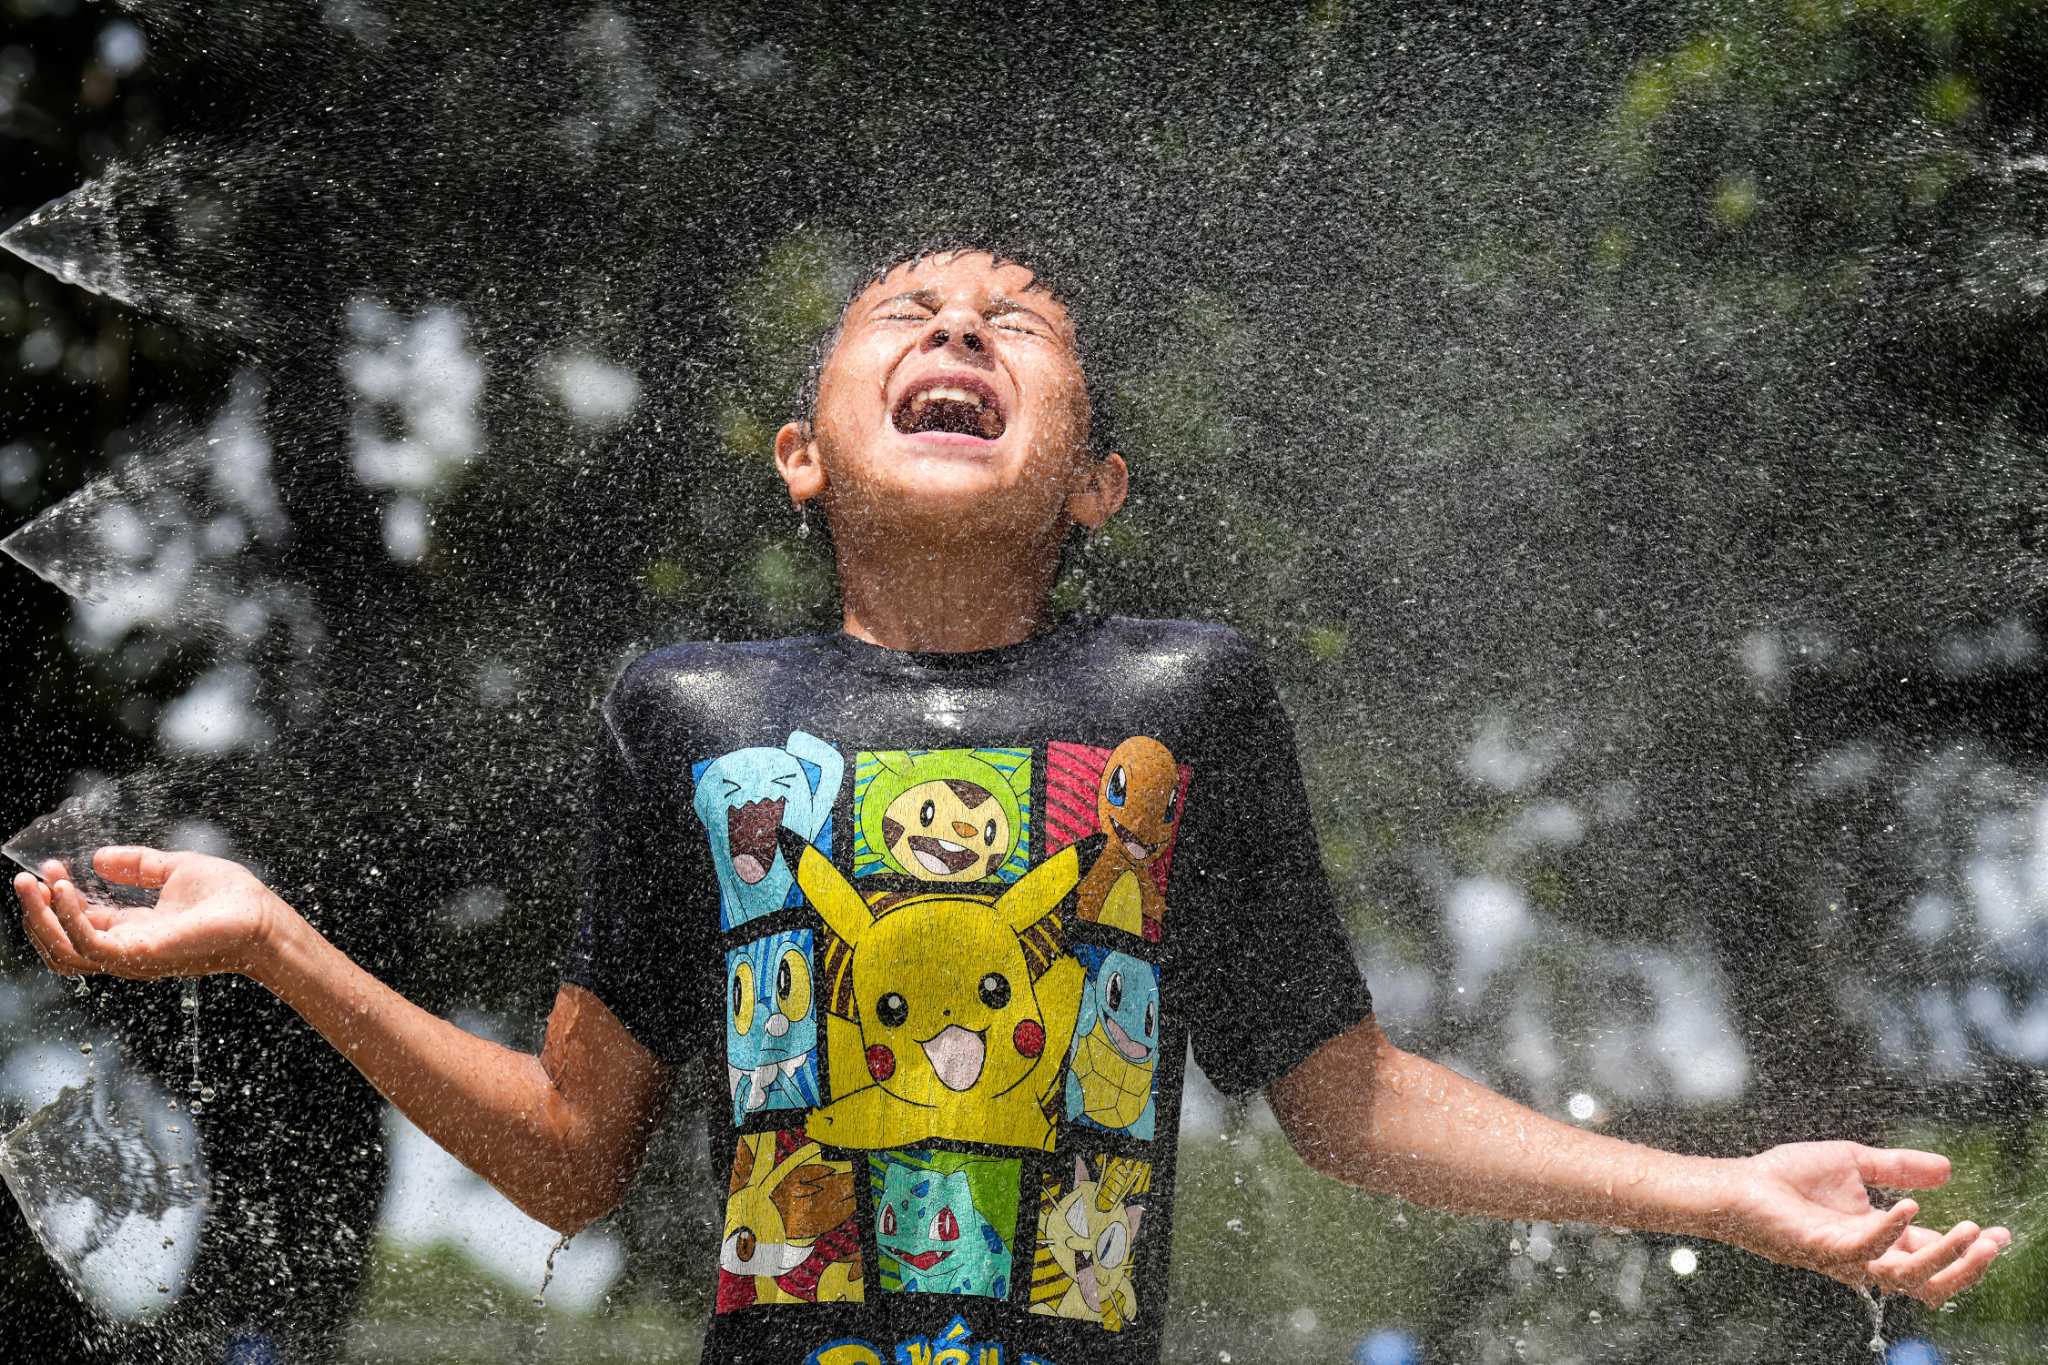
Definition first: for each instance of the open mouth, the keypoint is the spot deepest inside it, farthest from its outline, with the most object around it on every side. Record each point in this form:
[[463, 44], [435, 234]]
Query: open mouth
[[951, 404], [1084, 1278], [956, 1056], [750, 837], [1136, 849], [763, 1077], [1130, 1047], [942, 857], [922, 1260]]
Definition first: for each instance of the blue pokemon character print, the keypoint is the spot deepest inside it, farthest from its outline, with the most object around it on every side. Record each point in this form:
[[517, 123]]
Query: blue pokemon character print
[[771, 1025], [1114, 1061], [743, 798]]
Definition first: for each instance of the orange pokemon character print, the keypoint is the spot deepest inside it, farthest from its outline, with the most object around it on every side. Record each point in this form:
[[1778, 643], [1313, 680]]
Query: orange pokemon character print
[[1134, 795], [790, 1234]]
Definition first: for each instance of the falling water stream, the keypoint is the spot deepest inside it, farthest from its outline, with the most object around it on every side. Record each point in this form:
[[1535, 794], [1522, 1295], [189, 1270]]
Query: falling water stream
[[1874, 1302], [547, 1275], [188, 1006]]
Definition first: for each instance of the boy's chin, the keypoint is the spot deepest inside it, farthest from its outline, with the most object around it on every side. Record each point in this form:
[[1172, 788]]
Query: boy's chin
[[954, 506]]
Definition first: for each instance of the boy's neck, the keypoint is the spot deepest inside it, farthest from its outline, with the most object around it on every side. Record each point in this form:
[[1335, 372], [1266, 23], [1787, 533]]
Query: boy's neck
[[945, 599]]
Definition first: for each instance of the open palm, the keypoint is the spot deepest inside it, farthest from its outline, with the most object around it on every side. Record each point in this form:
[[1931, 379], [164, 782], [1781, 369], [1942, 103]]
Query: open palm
[[1808, 1204], [210, 915]]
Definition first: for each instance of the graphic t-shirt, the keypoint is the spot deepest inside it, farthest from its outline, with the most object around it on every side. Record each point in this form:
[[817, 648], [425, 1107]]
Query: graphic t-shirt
[[940, 930]]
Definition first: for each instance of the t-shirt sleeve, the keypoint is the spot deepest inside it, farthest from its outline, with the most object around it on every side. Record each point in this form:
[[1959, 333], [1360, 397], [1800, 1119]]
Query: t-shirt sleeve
[[626, 950], [1270, 963]]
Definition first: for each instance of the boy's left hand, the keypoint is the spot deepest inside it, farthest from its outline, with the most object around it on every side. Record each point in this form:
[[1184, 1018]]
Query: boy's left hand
[[1808, 1204]]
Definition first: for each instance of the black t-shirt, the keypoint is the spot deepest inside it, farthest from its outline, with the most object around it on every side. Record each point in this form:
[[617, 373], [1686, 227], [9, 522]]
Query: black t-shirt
[[939, 929]]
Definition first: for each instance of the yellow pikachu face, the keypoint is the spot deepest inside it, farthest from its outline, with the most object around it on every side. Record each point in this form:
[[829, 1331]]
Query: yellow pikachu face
[[943, 990], [946, 1002]]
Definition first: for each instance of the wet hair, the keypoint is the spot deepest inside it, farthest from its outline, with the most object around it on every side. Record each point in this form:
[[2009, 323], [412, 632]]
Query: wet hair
[[887, 261]]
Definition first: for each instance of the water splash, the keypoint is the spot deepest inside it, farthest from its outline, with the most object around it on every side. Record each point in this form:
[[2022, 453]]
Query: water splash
[[128, 810], [165, 236], [179, 539], [108, 1184], [63, 835], [72, 238], [546, 1278]]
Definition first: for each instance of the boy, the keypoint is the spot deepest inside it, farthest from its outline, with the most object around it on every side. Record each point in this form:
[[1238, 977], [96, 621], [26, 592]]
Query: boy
[[949, 895]]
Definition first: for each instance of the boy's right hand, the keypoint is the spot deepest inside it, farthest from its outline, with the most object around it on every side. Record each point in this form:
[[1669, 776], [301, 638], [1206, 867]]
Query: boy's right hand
[[210, 915]]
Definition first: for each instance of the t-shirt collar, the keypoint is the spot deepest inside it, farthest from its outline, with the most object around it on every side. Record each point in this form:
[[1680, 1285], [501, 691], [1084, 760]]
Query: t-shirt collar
[[908, 662]]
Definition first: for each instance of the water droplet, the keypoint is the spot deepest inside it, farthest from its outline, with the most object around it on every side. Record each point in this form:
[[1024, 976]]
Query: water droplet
[[85, 1048]]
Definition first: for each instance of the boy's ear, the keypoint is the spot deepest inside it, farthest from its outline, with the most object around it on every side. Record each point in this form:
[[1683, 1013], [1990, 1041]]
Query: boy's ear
[[1099, 489], [796, 459]]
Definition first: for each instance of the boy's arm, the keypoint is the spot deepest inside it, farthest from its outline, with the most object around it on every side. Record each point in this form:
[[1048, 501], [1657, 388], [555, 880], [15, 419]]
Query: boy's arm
[[560, 1134], [1363, 1111]]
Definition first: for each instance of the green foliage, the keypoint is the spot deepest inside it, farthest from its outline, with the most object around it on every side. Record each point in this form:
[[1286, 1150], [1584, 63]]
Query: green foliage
[[785, 305], [791, 583], [1988, 1187], [778, 310], [1258, 1234], [1949, 98], [1735, 201], [439, 1307], [1326, 644]]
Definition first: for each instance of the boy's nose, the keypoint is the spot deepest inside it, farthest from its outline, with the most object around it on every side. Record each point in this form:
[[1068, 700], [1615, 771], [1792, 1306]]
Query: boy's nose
[[962, 339]]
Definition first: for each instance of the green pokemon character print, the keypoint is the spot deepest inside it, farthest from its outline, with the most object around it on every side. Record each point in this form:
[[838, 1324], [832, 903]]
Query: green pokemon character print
[[944, 1223], [945, 815]]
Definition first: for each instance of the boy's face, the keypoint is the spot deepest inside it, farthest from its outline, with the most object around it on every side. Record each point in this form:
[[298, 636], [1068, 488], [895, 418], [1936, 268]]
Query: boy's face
[[953, 397]]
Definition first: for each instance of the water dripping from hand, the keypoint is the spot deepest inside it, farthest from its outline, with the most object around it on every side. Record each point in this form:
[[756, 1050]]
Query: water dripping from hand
[[1874, 1304], [188, 1001]]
